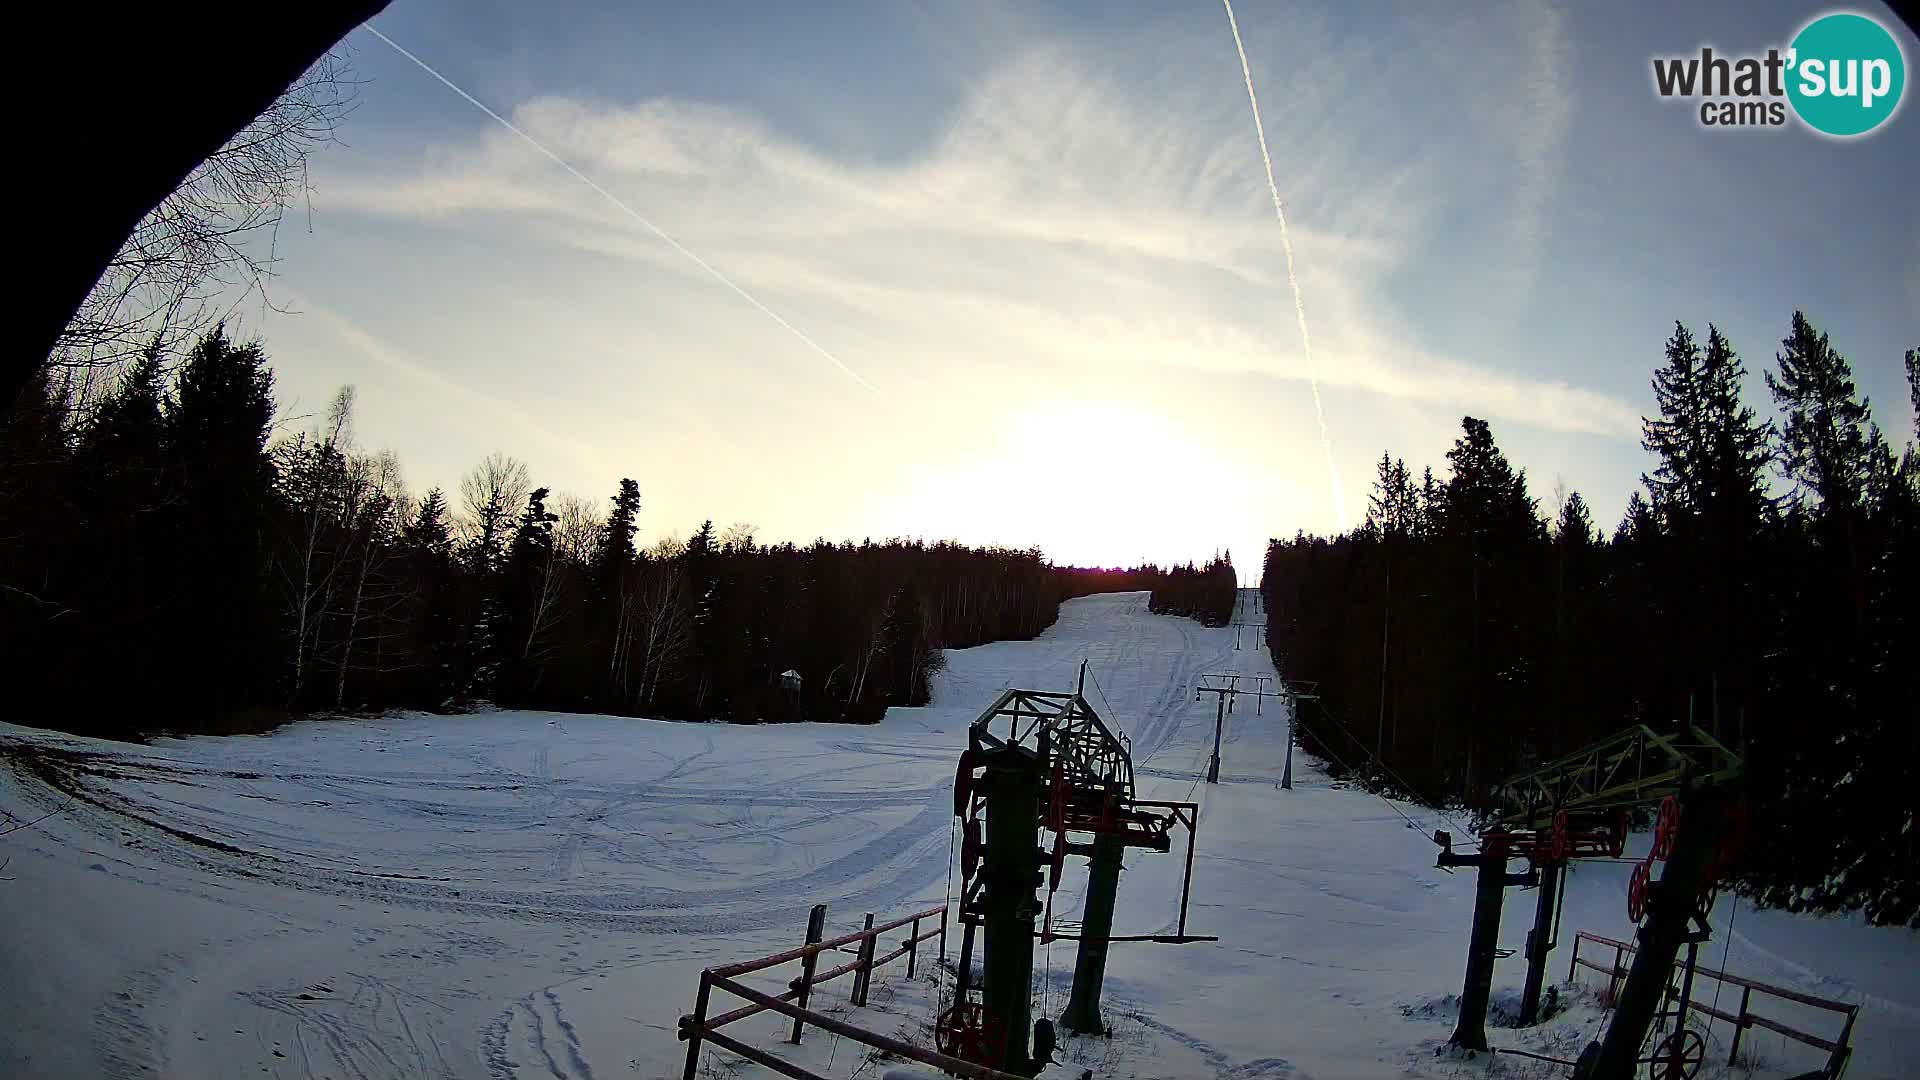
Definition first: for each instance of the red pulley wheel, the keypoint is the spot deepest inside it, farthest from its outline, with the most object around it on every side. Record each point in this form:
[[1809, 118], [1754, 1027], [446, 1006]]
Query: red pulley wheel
[[969, 1032], [963, 782], [1678, 1056], [1666, 827], [1637, 891], [970, 849]]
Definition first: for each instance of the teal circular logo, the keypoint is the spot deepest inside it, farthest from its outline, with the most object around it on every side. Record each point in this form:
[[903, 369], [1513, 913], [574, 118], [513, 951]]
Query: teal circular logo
[[1845, 74]]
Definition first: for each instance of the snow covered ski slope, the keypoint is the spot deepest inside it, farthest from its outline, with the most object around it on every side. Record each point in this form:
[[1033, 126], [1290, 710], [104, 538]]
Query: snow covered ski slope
[[532, 895]]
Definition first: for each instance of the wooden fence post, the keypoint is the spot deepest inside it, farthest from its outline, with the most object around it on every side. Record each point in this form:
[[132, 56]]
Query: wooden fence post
[[1740, 1026], [913, 945], [816, 929], [1575, 962], [863, 974], [1841, 1051], [699, 1025], [1613, 977], [943, 937]]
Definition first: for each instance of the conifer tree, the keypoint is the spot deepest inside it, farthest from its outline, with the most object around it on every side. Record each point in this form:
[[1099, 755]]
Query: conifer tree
[[126, 432], [616, 541], [1737, 445], [1827, 437], [1911, 463], [1574, 527], [428, 532], [216, 427], [1639, 524], [1678, 437]]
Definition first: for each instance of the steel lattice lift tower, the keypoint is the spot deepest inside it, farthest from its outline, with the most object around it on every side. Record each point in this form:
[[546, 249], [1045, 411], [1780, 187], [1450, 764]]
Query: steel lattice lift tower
[[1042, 760], [1576, 807]]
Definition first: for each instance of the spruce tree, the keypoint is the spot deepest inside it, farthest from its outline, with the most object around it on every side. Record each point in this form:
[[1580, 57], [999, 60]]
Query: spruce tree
[[529, 586], [1488, 521], [428, 532], [1827, 436], [616, 539], [1913, 386], [1575, 524], [1677, 438], [1392, 506], [1428, 500], [128, 428], [1737, 444], [1485, 499], [1910, 464], [1638, 525], [52, 587], [224, 635]]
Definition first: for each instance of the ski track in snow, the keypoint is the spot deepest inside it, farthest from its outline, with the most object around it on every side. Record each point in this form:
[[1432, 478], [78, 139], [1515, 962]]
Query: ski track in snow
[[524, 895]]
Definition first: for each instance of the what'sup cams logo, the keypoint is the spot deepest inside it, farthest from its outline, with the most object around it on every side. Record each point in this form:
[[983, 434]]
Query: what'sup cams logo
[[1843, 76]]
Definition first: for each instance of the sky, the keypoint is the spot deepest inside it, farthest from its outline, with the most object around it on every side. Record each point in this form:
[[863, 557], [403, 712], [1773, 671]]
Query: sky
[[1011, 273]]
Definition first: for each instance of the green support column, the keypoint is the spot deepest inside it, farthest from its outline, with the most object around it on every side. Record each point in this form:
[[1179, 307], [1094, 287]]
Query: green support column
[[1011, 876], [1470, 1032], [1669, 908], [1090, 969], [1540, 941]]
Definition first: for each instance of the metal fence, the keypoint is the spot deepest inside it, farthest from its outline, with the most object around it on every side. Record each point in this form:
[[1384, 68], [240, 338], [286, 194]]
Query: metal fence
[[698, 1028], [1838, 1048]]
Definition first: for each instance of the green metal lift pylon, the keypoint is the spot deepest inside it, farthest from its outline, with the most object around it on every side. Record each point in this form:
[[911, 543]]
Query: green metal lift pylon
[[1033, 748], [1011, 880], [1470, 1032], [1675, 899], [1096, 926], [1541, 939], [1635, 767]]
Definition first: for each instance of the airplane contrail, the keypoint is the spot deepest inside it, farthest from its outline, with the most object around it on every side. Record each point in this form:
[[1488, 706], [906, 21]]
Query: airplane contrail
[[630, 211], [1299, 304]]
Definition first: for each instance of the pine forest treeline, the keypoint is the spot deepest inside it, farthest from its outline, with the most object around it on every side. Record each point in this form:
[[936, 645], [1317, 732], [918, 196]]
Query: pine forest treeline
[[169, 562], [1204, 593], [1765, 583]]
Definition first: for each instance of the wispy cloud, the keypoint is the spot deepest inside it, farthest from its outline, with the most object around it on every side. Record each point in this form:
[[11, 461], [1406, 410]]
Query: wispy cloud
[[446, 390], [1058, 206]]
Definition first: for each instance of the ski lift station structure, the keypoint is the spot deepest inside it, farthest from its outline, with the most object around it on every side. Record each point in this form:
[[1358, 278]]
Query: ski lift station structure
[[1576, 807], [1044, 760]]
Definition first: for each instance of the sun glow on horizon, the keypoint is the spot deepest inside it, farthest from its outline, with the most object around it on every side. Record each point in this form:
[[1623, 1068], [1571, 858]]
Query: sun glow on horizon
[[1090, 483]]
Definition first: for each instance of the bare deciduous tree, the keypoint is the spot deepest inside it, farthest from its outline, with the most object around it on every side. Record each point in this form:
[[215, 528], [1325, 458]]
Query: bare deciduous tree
[[374, 515], [576, 533], [211, 242], [315, 476], [546, 612], [491, 495], [666, 626]]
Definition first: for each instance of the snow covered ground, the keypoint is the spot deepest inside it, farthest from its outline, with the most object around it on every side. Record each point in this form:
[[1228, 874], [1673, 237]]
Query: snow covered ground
[[533, 895]]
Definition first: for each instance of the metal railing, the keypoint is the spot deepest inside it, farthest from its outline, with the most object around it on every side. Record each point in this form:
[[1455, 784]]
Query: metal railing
[[1838, 1048], [698, 1028]]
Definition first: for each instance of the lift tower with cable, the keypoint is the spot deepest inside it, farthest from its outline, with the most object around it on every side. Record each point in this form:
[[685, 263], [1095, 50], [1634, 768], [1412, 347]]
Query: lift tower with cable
[[1226, 688], [1041, 760], [1576, 807]]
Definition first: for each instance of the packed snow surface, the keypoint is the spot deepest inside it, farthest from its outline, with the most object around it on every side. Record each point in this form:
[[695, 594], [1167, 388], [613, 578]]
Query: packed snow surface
[[517, 894]]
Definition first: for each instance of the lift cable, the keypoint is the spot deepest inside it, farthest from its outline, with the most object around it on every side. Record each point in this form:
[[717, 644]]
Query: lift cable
[[1726, 952], [1111, 711], [1404, 786], [940, 970], [1368, 788]]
